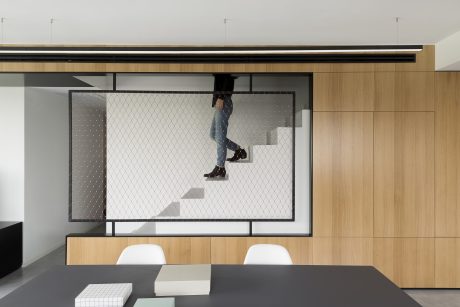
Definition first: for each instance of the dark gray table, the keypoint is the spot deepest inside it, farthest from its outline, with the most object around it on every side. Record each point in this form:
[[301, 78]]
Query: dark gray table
[[232, 286]]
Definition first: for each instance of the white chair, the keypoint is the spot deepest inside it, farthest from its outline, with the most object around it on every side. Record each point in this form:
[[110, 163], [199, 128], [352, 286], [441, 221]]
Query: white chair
[[267, 254], [142, 254]]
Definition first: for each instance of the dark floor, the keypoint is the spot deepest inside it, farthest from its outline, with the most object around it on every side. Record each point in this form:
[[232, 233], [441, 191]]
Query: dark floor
[[436, 298], [25, 274]]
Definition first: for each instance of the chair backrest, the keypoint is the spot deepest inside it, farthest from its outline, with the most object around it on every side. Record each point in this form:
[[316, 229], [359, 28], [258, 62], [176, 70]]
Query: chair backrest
[[142, 254], [267, 254]]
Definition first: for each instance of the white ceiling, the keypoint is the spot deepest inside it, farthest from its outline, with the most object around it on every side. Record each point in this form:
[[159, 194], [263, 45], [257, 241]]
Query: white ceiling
[[196, 22]]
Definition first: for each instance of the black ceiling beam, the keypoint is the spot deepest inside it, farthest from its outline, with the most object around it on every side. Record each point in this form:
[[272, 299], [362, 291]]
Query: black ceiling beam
[[275, 54], [310, 58]]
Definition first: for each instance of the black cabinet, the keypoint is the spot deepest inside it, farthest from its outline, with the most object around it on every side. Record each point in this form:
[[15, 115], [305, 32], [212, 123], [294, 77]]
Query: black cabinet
[[10, 247]]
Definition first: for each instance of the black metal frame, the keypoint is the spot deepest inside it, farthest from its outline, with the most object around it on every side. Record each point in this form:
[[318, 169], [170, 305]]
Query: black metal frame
[[251, 92], [311, 152]]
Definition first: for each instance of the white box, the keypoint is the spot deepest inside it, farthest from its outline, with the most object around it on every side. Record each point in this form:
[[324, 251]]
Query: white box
[[174, 280], [104, 295]]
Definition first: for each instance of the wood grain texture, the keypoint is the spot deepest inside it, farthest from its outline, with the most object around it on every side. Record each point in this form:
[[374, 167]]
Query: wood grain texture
[[384, 91], [342, 174], [408, 262], [106, 250], [343, 91], [404, 91], [447, 154], [344, 67], [162, 67], [379, 91], [404, 174], [414, 91], [232, 250], [177, 68], [447, 262], [343, 251]]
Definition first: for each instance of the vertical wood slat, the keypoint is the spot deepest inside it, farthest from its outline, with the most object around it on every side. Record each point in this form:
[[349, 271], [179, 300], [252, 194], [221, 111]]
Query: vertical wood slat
[[343, 91], [447, 154], [404, 174], [408, 262], [447, 268], [343, 174], [404, 91], [374, 91]]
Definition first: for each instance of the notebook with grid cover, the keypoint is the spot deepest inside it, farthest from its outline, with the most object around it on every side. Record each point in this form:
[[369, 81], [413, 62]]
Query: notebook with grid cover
[[104, 295]]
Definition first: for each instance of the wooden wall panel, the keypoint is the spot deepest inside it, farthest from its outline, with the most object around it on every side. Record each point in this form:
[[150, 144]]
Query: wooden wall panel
[[343, 251], [404, 91], [342, 174], [384, 91], [414, 91], [106, 250], [379, 91], [12, 67], [232, 250], [343, 91], [344, 67], [447, 262], [448, 154], [403, 174], [408, 262]]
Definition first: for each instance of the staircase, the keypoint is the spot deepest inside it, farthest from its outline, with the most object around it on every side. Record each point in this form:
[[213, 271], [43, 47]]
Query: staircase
[[259, 187]]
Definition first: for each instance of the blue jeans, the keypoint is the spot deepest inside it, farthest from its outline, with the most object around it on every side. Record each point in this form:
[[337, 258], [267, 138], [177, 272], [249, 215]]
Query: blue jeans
[[219, 132]]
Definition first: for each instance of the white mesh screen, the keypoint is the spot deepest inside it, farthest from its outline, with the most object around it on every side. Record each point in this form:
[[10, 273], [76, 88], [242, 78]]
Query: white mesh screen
[[157, 148]]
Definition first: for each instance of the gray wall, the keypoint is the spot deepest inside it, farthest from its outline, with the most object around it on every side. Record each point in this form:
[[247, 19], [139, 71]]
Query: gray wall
[[46, 173], [11, 148]]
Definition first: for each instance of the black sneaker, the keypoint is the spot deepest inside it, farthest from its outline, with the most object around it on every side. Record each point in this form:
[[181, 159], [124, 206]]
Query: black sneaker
[[217, 172], [239, 154]]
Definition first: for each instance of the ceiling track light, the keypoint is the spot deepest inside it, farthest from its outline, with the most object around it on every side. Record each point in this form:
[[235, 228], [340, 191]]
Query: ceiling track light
[[378, 53]]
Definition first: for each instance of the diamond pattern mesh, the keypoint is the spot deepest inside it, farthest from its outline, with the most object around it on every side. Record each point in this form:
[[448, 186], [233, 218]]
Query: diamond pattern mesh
[[156, 147], [88, 172]]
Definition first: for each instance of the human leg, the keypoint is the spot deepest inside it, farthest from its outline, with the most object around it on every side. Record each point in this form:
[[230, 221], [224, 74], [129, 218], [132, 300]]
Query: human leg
[[220, 136], [212, 131]]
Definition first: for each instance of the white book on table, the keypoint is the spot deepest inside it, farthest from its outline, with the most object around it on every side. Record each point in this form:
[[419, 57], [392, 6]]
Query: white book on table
[[155, 302], [104, 295], [175, 280]]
